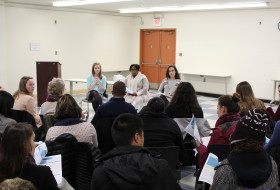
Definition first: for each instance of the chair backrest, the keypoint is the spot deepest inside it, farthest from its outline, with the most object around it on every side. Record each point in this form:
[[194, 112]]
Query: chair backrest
[[77, 159], [48, 121], [24, 117], [220, 150], [171, 155], [103, 129]]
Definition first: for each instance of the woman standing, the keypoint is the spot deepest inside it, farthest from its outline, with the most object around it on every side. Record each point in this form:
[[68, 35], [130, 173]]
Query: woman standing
[[16, 158], [138, 84], [24, 98], [169, 84], [96, 85]]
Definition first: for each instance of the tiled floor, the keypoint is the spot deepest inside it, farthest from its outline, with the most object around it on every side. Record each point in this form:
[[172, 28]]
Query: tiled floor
[[209, 106]]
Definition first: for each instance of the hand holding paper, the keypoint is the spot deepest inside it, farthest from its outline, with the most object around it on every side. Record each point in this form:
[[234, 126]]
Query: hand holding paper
[[192, 129]]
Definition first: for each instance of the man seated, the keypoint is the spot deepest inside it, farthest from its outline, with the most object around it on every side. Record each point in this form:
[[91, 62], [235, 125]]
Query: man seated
[[115, 106], [129, 165]]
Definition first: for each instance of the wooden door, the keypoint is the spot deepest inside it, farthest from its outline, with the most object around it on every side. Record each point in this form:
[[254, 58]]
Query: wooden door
[[157, 52]]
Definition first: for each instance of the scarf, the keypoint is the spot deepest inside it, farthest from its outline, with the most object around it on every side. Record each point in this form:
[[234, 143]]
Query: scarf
[[132, 83], [69, 121], [52, 98]]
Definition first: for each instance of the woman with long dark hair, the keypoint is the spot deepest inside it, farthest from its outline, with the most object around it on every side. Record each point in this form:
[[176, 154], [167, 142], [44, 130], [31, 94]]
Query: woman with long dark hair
[[16, 158], [170, 83], [184, 103]]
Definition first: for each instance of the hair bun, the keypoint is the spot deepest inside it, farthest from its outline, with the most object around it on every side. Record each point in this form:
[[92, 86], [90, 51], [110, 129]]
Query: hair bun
[[236, 97]]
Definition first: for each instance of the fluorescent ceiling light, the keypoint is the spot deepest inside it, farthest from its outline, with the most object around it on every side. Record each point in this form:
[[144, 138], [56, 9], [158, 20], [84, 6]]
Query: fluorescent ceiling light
[[83, 2], [195, 7]]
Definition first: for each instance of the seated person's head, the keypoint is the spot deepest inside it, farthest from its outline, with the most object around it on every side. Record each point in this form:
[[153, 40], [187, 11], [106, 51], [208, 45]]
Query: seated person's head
[[16, 184], [249, 135], [6, 103], [118, 89], [245, 90], [184, 94], [16, 145], [228, 104], [67, 107], [127, 129], [56, 87], [156, 104]]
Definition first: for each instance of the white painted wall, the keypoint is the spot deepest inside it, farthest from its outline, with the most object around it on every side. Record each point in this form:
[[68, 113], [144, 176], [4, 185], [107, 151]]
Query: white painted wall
[[222, 42], [79, 39], [227, 42], [3, 61]]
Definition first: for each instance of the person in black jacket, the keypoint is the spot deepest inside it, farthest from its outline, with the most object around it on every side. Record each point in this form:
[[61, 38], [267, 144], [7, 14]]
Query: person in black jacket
[[129, 166], [159, 129], [16, 158]]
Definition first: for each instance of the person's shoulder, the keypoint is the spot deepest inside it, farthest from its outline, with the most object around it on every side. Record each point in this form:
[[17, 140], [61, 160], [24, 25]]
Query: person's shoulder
[[43, 170], [104, 77], [223, 165]]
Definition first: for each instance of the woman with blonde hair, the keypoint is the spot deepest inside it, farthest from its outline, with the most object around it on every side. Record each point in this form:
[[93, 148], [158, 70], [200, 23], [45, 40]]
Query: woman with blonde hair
[[56, 89], [248, 100], [96, 85], [24, 98]]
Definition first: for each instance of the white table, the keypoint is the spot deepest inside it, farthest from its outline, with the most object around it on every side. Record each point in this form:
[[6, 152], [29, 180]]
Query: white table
[[82, 81], [274, 89], [224, 76]]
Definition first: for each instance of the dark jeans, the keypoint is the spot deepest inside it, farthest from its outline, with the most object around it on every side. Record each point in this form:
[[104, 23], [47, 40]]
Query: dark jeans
[[95, 99]]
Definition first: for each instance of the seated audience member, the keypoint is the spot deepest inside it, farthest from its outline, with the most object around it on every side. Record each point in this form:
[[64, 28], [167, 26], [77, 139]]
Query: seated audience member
[[96, 85], [24, 98], [248, 100], [56, 89], [6, 104], [276, 115], [184, 103], [139, 86], [116, 105], [159, 129], [228, 113], [248, 166], [68, 114], [129, 165], [169, 84], [274, 140], [16, 158], [16, 184]]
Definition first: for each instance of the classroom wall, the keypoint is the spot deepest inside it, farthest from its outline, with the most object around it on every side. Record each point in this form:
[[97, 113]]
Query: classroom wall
[[3, 61], [76, 40], [213, 42]]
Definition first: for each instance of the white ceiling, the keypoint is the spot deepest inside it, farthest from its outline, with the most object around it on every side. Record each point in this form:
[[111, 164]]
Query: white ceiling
[[115, 7]]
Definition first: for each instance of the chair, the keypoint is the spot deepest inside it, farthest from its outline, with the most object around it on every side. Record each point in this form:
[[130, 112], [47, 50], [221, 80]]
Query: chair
[[48, 121], [220, 150], [77, 159], [171, 155], [104, 136], [24, 117]]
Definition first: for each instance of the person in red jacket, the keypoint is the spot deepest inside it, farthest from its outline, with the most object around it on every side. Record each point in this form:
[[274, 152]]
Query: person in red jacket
[[228, 113]]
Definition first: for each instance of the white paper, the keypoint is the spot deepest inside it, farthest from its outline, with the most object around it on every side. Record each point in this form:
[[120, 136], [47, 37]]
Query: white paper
[[54, 162], [205, 140], [208, 172], [40, 152], [128, 90], [192, 129]]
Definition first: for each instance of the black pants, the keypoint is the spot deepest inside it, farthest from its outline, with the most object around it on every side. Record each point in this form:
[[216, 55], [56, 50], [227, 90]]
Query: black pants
[[95, 99]]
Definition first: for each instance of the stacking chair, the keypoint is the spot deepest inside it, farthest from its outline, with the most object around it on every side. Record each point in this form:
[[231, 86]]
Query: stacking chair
[[24, 117], [171, 155], [77, 159]]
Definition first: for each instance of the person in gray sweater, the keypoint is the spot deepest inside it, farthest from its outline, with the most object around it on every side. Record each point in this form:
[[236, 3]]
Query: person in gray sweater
[[6, 104], [248, 166]]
